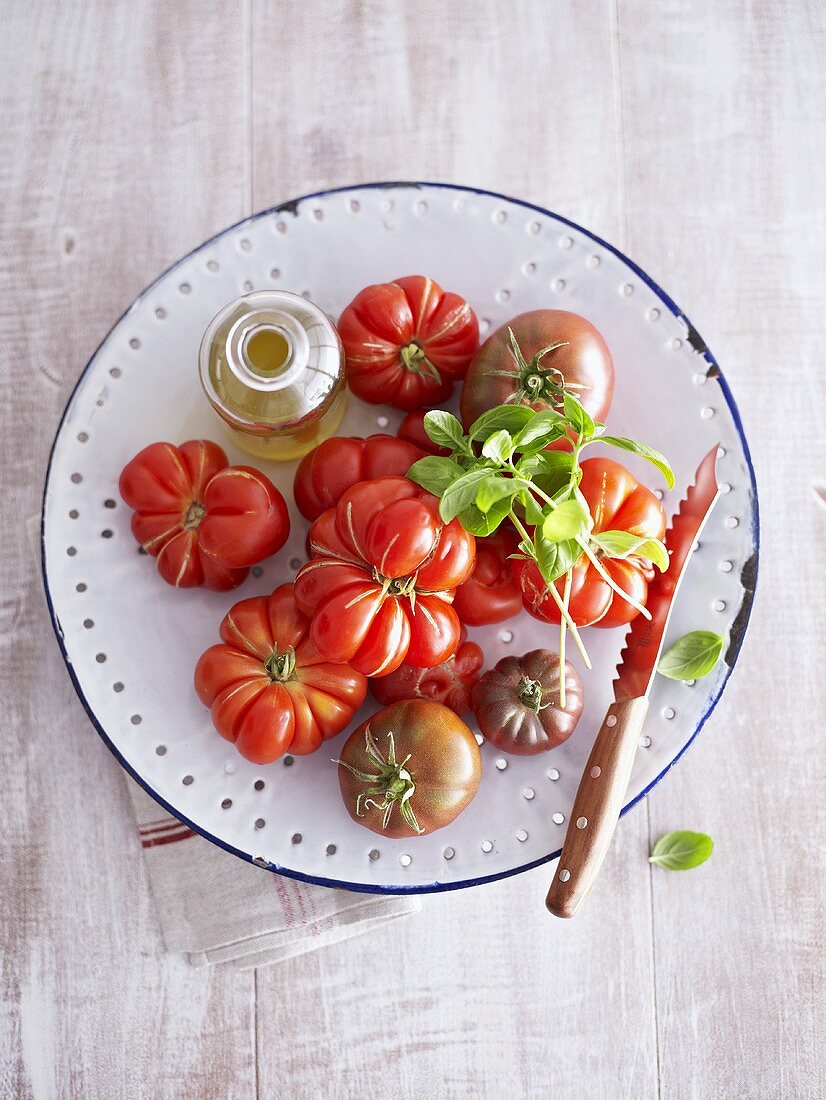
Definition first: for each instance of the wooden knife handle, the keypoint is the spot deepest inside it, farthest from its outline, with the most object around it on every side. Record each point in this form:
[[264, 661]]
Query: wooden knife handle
[[597, 806]]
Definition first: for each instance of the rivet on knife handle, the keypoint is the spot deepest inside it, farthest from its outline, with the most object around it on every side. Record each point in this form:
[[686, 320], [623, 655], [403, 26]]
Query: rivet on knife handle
[[597, 806]]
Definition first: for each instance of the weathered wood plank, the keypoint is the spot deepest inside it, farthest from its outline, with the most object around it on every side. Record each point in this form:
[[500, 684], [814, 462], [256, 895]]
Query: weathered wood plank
[[724, 137], [483, 994], [122, 145]]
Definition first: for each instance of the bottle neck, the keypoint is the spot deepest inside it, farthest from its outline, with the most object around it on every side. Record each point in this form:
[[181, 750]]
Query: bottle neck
[[267, 350]]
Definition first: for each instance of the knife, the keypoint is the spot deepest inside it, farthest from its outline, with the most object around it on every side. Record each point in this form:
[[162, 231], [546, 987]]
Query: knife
[[601, 793]]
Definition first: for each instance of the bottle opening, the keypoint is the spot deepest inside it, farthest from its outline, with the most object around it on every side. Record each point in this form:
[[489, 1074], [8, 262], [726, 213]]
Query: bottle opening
[[267, 351]]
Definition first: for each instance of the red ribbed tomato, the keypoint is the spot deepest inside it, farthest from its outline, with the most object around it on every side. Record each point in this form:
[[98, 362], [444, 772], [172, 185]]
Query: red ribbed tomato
[[381, 583], [269, 690], [206, 522], [581, 359], [449, 683], [333, 466], [412, 429], [617, 502], [490, 594], [407, 342]]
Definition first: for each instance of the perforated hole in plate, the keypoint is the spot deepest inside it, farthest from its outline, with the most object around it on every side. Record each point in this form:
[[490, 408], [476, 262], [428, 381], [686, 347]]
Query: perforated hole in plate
[[82, 437], [484, 325], [382, 421], [118, 686], [726, 566], [529, 793], [185, 288], [259, 785], [594, 260], [503, 295], [421, 207], [100, 658], [669, 713], [88, 624], [479, 739], [653, 314], [500, 217], [226, 803], [566, 242], [109, 503], [355, 206], [501, 764], [188, 780], [160, 313], [529, 268], [257, 571], [558, 285], [486, 846], [405, 860], [506, 636], [719, 605], [373, 855], [627, 289], [245, 244], [73, 513], [136, 719], [160, 750], [732, 521], [522, 835], [296, 838], [80, 587], [260, 823], [134, 343], [553, 774], [76, 478], [71, 551], [645, 741], [558, 818], [212, 265], [676, 343], [331, 849]]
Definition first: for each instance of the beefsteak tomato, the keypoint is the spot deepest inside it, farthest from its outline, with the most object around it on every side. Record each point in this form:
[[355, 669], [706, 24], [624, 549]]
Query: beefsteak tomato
[[268, 688], [617, 502], [555, 346], [412, 429], [407, 342], [490, 594], [333, 466], [205, 522], [381, 581], [449, 683], [414, 755]]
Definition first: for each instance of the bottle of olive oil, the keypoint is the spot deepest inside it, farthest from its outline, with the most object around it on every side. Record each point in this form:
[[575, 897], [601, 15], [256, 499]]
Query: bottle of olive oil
[[272, 365]]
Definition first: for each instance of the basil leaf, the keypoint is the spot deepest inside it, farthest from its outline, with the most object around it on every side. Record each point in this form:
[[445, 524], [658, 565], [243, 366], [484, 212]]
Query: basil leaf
[[485, 523], [682, 850], [565, 521], [533, 513], [622, 544], [443, 428], [654, 457], [692, 656], [461, 494], [496, 488], [498, 447], [545, 427], [552, 470], [510, 418], [581, 422], [434, 473], [554, 558]]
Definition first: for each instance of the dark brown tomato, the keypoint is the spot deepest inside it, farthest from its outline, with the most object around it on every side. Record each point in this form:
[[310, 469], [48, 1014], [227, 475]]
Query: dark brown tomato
[[517, 703], [583, 361], [431, 750]]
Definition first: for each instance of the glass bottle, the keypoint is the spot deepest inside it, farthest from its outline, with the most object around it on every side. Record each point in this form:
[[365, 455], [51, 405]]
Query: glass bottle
[[272, 365]]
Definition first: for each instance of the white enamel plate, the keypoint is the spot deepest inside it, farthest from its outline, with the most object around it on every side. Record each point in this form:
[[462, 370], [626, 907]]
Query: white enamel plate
[[131, 642]]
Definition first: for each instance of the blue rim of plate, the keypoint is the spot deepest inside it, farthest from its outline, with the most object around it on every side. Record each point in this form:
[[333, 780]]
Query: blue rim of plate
[[741, 622]]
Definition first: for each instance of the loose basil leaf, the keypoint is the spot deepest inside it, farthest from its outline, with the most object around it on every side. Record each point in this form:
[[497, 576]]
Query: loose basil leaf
[[682, 850], [544, 428], [510, 418], [434, 473], [554, 558], [565, 521], [485, 523], [580, 420], [692, 656], [622, 544], [656, 458], [443, 428], [498, 447], [495, 488], [461, 494]]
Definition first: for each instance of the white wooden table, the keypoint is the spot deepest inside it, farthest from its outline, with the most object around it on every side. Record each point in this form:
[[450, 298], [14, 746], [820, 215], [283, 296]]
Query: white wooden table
[[692, 136]]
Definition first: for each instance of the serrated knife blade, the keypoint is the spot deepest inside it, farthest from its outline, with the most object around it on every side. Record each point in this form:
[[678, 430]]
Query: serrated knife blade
[[644, 642]]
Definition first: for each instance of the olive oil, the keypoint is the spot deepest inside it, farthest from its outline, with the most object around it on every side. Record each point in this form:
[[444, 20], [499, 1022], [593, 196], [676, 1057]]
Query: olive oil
[[272, 365]]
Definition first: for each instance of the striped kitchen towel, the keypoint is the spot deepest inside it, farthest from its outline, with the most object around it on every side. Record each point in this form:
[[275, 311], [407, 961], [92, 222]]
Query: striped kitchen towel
[[215, 907]]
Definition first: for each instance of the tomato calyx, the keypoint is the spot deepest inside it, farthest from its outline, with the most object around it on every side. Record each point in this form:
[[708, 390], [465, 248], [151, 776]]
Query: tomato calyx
[[390, 785], [536, 383], [529, 693], [414, 359], [193, 516], [281, 666]]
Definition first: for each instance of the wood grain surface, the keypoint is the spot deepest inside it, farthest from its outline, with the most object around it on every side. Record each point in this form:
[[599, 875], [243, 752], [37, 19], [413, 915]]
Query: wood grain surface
[[692, 136]]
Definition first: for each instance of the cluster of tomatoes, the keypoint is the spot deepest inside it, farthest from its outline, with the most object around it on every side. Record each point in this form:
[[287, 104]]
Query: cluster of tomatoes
[[389, 588]]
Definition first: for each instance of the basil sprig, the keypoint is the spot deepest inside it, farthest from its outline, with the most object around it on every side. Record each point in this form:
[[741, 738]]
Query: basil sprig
[[500, 470]]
